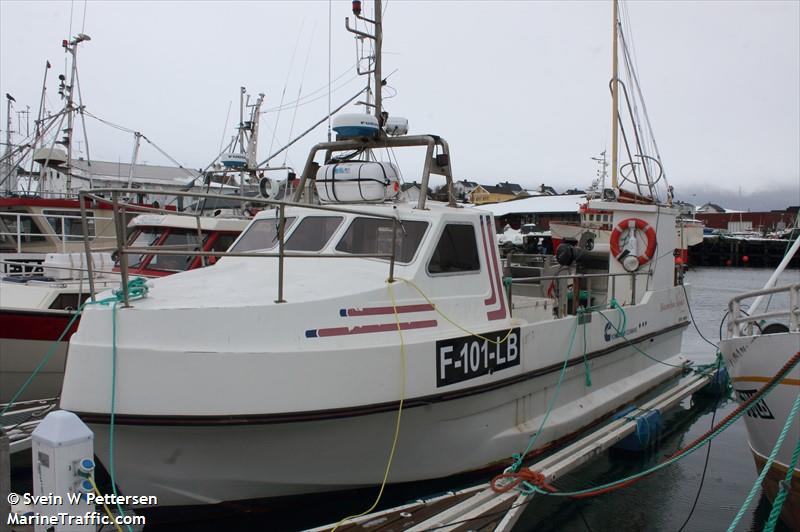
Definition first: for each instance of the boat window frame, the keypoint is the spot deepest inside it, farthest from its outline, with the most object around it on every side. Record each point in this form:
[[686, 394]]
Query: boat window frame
[[345, 228], [71, 217], [476, 234], [298, 224], [288, 220]]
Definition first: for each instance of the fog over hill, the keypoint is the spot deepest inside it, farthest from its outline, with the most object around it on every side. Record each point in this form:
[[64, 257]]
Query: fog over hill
[[767, 199]]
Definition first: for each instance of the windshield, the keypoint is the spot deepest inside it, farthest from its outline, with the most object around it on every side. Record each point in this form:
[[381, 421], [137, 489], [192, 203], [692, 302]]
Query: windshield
[[177, 240], [142, 238], [262, 234], [374, 236]]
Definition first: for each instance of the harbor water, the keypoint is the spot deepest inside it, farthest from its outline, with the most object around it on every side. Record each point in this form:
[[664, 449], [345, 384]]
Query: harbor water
[[660, 502]]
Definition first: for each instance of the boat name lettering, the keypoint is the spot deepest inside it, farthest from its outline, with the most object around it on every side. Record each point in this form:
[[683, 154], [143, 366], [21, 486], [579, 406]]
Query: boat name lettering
[[610, 332], [760, 409], [467, 357]]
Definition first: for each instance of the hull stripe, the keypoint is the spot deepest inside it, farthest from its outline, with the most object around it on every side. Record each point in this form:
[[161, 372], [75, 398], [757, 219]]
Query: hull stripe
[[378, 311], [367, 329], [790, 382]]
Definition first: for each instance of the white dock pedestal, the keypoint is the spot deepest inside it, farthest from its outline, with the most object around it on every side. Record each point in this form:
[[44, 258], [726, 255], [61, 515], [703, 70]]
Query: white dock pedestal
[[59, 444]]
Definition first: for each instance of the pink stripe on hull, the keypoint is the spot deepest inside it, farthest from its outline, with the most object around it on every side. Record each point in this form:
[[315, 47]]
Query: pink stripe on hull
[[491, 300], [375, 311], [380, 327], [501, 312]]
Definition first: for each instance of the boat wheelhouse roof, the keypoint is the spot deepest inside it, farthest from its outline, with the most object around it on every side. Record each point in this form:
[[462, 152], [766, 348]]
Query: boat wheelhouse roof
[[177, 221]]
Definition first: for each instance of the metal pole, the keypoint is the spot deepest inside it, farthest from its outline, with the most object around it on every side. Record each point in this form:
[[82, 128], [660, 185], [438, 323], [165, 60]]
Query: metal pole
[[200, 241], [378, 47], [281, 244], [136, 138], [8, 145], [394, 248], [633, 288], [5, 480], [614, 99], [121, 253], [70, 119]]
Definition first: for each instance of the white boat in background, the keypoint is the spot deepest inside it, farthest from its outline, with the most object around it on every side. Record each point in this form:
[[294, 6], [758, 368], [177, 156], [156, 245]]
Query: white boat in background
[[755, 351], [595, 230], [349, 323], [36, 308]]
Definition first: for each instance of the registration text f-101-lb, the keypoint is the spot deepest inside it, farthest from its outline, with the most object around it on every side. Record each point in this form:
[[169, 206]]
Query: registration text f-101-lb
[[467, 357]]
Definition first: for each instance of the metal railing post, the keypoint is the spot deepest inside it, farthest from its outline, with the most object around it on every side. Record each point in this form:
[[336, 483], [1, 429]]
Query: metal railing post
[[613, 287], [5, 479], [119, 225], [633, 288], [86, 247], [19, 234], [200, 241], [394, 248], [281, 244], [794, 302]]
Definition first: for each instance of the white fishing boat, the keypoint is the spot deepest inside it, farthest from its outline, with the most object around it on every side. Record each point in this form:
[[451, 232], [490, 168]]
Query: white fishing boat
[[348, 326], [37, 309], [760, 343]]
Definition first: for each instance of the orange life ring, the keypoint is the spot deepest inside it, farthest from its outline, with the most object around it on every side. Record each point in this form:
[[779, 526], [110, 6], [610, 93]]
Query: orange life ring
[[642, 226]]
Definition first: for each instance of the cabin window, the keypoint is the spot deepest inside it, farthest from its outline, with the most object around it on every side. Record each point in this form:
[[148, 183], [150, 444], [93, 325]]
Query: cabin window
[[313, 233], [18, 225], [67, 225], [142, 238], [374, 236], [176, 240], [261, 234], [68, 301], [223, 242], [457, 251]]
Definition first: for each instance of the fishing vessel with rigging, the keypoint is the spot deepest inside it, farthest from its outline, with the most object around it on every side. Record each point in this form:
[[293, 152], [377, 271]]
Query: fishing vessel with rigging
[[348, 325]]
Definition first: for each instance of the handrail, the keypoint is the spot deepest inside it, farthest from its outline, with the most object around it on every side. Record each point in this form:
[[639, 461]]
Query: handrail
[[123, 250], [737, 318]]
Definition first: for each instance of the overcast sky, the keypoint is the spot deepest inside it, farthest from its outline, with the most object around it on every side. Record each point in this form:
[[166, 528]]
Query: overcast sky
[[519, 89]]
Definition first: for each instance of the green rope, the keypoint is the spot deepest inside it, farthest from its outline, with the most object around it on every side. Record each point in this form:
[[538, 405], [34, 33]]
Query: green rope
[[620, 333], [137, 289], [519, 457], [767, 466], [775, 513]]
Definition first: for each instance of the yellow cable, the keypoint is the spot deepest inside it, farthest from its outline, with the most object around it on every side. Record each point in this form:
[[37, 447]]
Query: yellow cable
[[108, 512], [399, 414], [442, 314]]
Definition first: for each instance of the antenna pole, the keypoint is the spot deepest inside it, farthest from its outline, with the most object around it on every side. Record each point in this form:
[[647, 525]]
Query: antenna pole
[[8, 164], [378, 46], [614, 99]]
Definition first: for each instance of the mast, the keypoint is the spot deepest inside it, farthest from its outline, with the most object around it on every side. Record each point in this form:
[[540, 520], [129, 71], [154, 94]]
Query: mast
[[8, 165], [378, 47], [72, 48], [614, 99], [378, 38]]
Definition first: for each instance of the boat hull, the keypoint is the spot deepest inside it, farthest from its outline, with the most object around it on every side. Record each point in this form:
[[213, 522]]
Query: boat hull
[[751, 361], [210, 461], [25, 339]]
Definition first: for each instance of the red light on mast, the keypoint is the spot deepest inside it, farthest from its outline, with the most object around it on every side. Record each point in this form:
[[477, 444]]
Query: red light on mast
[[356, 7], [65, 43]]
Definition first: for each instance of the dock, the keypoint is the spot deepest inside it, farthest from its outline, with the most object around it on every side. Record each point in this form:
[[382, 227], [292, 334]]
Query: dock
[[481, 507], [19, 422]]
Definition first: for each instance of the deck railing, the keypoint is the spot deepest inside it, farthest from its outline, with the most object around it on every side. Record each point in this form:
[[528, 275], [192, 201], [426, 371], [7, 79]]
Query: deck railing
[[741, 324], [123, 250]]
